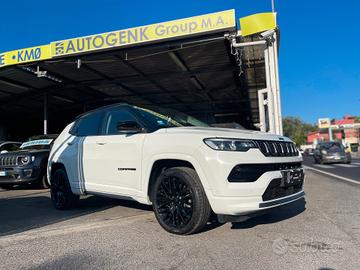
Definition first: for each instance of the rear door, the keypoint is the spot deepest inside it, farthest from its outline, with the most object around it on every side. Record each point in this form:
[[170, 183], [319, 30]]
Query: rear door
[[87, 132], [112, 161]]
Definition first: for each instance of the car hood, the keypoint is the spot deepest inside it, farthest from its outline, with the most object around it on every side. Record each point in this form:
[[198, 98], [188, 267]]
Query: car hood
[[207, 132]]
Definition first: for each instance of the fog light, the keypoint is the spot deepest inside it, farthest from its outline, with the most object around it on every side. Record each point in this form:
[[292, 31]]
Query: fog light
[[27, 172]]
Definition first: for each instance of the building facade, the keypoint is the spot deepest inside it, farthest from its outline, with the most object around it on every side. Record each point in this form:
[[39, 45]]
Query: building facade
[[346, 130]]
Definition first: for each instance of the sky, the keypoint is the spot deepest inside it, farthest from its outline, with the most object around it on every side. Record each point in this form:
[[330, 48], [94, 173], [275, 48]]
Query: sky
[[319, 57]]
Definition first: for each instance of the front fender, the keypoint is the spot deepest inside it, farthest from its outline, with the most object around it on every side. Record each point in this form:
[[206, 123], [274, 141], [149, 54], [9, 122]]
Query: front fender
[[176, 156]]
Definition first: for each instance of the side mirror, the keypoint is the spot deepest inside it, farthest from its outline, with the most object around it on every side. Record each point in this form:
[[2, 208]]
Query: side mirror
[[129, 127]]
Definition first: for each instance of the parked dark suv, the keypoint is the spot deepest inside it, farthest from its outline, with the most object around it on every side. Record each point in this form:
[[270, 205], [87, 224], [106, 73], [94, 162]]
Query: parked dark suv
[[331, 152], [28, 164]]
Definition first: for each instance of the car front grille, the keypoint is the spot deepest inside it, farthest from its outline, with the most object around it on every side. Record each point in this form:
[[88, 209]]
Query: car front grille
[[277, 148], [8, 161]]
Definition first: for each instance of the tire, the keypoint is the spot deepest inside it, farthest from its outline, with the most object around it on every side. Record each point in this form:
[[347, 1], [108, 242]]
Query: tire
[[61, 194], [179, 201], [7, 186], [43, 182]]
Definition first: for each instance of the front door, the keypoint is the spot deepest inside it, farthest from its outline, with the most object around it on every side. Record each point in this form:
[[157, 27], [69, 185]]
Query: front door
[[112, 161]]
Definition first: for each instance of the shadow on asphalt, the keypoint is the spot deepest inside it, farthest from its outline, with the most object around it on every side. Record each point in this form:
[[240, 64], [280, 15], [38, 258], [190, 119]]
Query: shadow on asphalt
[[273, 216], [28, 211], [32, 210]]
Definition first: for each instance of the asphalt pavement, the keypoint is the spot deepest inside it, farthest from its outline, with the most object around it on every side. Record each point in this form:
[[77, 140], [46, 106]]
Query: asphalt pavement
[[348, 171], [321, 232]]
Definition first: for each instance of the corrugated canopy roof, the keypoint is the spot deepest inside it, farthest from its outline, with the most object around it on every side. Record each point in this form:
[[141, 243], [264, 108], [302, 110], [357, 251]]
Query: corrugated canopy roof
[[198, 76]]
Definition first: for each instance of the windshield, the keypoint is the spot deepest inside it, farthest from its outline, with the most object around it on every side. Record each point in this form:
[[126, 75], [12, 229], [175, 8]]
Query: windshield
[[37, 144], [331, 146], [169, 118]]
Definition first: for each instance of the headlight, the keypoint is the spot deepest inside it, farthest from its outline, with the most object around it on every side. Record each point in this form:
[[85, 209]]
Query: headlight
[[324, 152], [24, 160], [223, 144]]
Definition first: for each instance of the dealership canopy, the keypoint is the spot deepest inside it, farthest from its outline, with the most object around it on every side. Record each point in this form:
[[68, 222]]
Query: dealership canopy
[[201, 65]]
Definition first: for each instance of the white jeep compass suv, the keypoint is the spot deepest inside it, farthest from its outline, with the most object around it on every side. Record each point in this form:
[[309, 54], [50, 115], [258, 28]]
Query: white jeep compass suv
[[181, 166]]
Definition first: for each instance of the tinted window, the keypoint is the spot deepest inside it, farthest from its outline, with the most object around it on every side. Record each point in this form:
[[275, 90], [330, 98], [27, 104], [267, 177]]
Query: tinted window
[[331, 146], [113, 118], [88, 125], [168, 118]]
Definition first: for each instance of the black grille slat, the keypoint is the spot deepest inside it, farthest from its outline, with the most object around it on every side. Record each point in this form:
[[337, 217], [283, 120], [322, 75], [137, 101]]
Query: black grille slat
[[277, 148], [8, 161]]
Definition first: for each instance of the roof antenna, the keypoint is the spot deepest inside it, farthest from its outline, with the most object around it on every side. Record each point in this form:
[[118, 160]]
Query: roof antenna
[[273, 6]]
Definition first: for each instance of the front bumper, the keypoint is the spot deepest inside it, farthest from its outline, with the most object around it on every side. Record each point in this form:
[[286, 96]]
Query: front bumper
[[334, 158], [19, 175], [246, 197], [238, 206]]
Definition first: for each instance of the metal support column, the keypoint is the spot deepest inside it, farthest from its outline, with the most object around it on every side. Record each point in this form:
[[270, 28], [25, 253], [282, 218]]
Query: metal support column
[[270, 92], [45, 113], [273, 121], [278, 97], [273, 85], [330, 134], [263, 96]]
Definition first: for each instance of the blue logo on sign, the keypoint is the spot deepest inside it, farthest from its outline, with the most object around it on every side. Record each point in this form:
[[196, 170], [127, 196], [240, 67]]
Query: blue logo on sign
[[29, 55], [2, 59]]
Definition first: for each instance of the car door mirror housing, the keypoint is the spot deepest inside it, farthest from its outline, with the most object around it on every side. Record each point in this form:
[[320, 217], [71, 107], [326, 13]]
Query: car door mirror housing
[[129, 127]]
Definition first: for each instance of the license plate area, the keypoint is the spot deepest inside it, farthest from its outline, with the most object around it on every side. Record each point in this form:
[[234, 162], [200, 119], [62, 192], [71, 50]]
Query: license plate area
[[292, 177], [6, 173]]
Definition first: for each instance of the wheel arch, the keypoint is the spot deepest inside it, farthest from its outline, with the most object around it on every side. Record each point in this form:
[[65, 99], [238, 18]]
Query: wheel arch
[[54, 166], [160, 164]]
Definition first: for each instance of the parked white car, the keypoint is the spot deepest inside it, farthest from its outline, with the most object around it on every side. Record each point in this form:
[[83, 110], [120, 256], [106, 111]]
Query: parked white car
[[181, 166]]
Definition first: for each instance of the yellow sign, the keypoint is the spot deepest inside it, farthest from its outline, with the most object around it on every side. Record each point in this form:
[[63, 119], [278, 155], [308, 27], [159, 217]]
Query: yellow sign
[[25, 55], [178, 28], [257, 23], [324, 122], [154, 32]]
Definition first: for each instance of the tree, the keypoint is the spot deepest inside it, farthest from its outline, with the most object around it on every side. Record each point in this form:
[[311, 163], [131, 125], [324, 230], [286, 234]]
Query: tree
[[296, 129]]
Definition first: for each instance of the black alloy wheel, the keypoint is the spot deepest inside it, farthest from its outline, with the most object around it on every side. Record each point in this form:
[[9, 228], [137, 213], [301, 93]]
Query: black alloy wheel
[[179, 201], [175, 202]]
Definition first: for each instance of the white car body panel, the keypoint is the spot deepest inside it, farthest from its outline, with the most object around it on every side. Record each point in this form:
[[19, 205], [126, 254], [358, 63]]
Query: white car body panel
[[123, 164], [117, 155]]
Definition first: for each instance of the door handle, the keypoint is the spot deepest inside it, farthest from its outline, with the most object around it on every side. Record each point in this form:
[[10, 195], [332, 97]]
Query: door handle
[[100, 142], [69, 143]]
